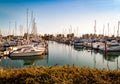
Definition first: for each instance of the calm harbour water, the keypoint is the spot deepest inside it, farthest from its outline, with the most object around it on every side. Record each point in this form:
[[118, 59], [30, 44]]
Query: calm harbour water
[[62, 54]]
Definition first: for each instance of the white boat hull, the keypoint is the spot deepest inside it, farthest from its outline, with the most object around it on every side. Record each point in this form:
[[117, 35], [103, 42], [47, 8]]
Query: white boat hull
[[26, 54], [111, 49]]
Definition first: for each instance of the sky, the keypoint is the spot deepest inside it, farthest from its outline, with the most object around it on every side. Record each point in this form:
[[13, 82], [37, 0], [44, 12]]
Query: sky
[[60, 16]]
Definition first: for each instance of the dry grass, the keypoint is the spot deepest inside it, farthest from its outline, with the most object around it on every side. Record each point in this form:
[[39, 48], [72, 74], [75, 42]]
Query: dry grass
[[59, 75]]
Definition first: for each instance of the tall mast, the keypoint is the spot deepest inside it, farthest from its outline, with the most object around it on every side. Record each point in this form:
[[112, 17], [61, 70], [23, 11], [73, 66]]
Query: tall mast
[[77, 30], [70, 29], [27, 21], [32, 24], [103, 29], [13, 32], [95, 28], [27, 29], [15, 28], [9, 32], [118, 29], [21, 30], [114, 31], [35, 29], [108, 29]]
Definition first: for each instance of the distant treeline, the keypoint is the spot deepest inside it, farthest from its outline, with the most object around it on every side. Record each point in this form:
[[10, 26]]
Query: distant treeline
[[51, 36], [72, 35]]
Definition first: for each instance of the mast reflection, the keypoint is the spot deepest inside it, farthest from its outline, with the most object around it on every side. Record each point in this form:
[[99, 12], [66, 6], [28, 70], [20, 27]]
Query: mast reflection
[[31, 61]]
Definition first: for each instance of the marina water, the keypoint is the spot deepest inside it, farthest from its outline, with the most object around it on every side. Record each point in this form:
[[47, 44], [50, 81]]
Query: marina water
[[62, 54]]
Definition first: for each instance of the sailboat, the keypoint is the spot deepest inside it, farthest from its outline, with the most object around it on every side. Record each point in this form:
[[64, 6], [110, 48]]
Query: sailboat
[[32, 48], [27, 50], [111, 46]]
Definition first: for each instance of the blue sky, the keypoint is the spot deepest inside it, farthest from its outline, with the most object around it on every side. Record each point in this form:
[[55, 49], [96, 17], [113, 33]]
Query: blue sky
[[56, 16]]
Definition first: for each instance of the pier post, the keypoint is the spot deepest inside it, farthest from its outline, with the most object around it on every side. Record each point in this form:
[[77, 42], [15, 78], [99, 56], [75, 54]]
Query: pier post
[[91, 45], [105, 47]]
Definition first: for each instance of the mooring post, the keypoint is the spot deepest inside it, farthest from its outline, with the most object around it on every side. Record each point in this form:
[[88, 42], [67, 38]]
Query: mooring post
[[91, 45], [105, 47]]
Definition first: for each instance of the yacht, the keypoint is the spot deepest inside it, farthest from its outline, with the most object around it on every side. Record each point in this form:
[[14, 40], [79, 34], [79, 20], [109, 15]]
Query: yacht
[[28, 50], [112, 46], [78, 42]]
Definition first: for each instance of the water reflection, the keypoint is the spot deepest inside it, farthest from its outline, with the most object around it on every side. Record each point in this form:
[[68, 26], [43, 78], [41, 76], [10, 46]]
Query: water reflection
[[30, 60], [109, 60], [111, 56], [64, 54], [79, 48], [18, 62]]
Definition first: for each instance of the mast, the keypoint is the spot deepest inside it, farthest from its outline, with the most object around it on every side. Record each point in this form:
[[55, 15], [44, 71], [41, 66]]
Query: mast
[[27, 28], [70, 29], [77, 30], [33, 26], [36, 28], [9, 32], [118, 29], [27, 21], [13, 32], [21, 30], [108, 29], [65, 32], [32, 22], [15, 29], [114, 31], [103, 29], [94, 28]]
